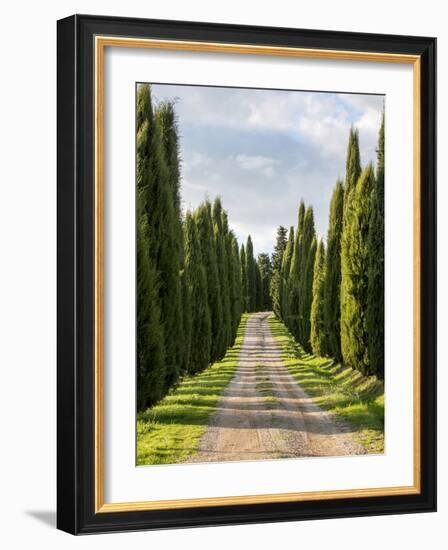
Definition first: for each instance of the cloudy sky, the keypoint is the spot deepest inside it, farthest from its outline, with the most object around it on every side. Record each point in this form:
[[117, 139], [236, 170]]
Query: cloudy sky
[[264, 150]]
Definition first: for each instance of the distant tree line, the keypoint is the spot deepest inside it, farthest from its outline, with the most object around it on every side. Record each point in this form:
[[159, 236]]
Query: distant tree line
[[193, 280], [332, 297]]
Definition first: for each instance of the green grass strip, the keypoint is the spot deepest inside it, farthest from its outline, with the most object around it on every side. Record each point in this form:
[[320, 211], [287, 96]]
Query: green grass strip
[[356, 399], [169, 432]]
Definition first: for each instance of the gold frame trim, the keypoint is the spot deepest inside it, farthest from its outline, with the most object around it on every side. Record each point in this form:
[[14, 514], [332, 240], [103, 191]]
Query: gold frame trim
[[101, 42]]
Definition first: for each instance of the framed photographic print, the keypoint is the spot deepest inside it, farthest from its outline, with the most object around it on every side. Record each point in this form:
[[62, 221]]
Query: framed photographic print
[[246, 274]]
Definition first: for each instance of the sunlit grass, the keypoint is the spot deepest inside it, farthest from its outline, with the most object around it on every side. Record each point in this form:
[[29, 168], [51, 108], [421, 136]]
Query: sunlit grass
[[356, 399], [169, 432]]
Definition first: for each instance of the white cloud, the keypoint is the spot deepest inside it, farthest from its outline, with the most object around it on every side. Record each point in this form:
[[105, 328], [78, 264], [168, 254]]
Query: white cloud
[[324, 118], [369, 121], [262, 151], [368, 125], [264, 165], [198, 159], [273, 113], [262, 234], [194, 186], [362, 102], [329, 133]]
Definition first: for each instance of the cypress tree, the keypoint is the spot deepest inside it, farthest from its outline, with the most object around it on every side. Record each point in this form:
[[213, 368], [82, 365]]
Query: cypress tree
[[167, 122], [276, 280], [236, 270], [317, 336], [156, 196], [221, 255], [353, 162], [150, 343], [301, 218], [251, 276], [265, 268], [151, 368], [293, 288], [203, 218], [200, 342], [347, 300], [258, 288], [243, 267], [186, 314], [286, 265], [375, 299], [332, 285], [354, 285], [295, 276], [307, 257], [230, 276], [295, 272]]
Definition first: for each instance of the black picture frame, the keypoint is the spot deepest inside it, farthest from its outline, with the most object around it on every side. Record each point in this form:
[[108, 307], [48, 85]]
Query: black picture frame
[[76, 271]]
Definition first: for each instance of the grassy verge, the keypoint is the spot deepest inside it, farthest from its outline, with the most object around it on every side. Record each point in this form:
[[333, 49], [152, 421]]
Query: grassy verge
[[170, 431], [356, 399]]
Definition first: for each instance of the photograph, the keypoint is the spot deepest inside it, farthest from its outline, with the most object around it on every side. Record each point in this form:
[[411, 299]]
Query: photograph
[[246, 263], [259, 274]]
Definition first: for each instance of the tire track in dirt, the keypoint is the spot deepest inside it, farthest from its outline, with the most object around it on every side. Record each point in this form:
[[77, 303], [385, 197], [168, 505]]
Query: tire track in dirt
[[264, 414]]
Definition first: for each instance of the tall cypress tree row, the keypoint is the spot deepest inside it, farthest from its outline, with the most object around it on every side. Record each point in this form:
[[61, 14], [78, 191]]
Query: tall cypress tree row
[[221, 255], [265, 268], [204, 223], [166, 120], [200, 343], [307, 257], [251, 276], [355, 263], [332, 284], [375, 299], [276, 280], [317, 335], [286, 265]]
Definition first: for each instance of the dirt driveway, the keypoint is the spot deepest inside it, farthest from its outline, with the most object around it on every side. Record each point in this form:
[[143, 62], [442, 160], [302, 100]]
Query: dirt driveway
[[264, 413]]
